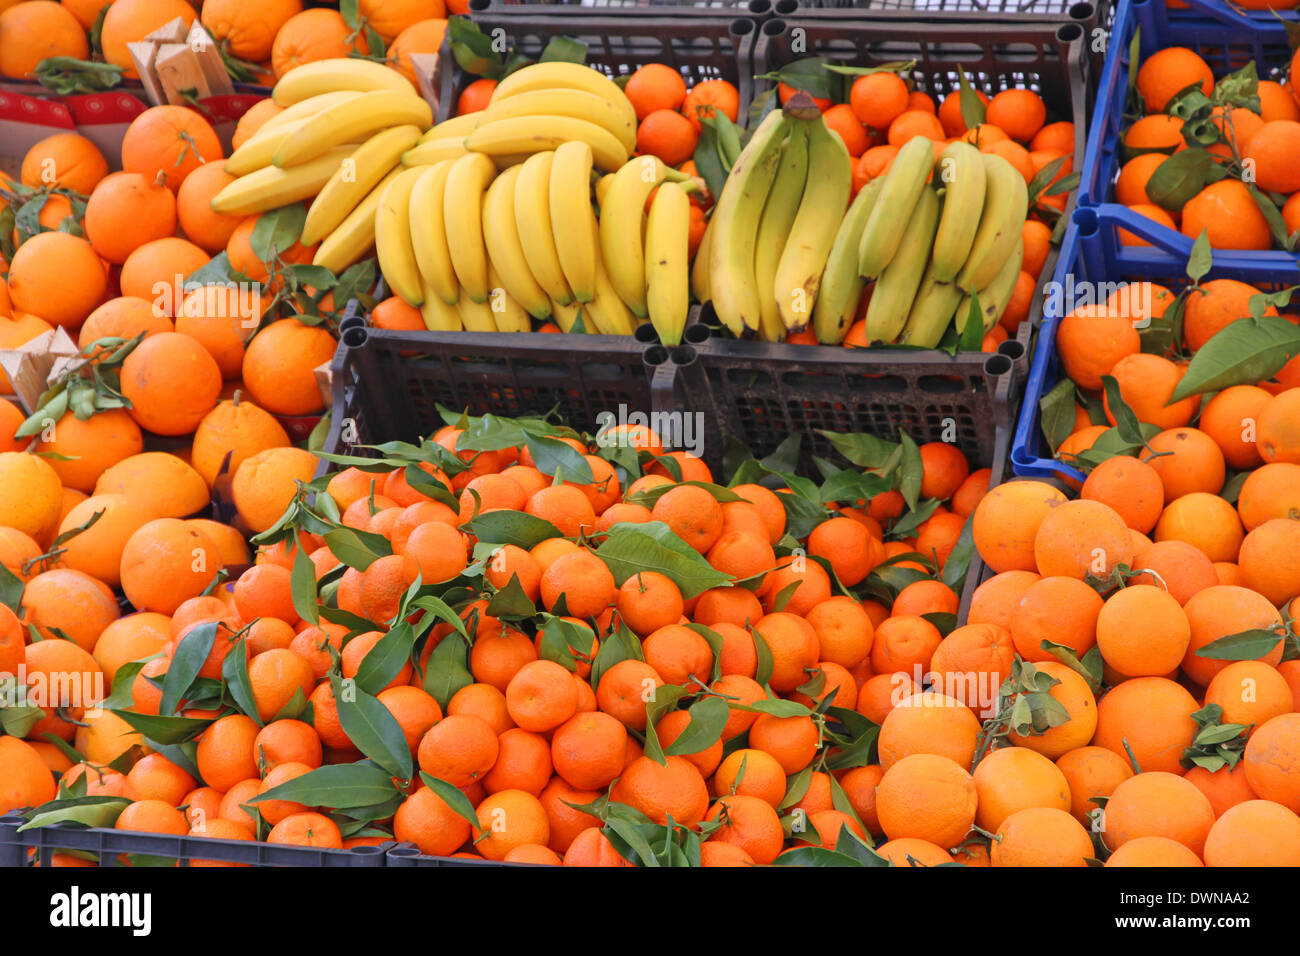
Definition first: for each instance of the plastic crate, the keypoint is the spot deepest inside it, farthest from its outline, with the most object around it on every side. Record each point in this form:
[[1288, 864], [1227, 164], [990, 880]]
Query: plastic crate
[[703, 43], [387, 384], [1006, 11], [1227, 40], [15, 847], [1087, 256], [406, 854]]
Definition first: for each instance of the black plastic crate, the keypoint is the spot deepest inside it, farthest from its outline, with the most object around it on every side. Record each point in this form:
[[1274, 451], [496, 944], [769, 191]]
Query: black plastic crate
[[1004, 11], [703, 43], [15, 847], [387, 385]]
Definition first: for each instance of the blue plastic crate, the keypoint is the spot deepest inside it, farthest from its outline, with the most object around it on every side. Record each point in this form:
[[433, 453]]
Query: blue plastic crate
[[1087, 256], [1227, 39]]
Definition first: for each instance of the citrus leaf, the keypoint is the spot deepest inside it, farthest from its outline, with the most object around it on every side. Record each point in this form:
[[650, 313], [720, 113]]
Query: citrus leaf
[[1245, 351]]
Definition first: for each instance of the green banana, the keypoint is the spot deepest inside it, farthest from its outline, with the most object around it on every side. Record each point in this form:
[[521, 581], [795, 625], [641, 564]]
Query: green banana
[[893, 209], [962, 175], [774, 227], [1006, 201], [841, 288], [995, 296], [895, 290], [735, 226]]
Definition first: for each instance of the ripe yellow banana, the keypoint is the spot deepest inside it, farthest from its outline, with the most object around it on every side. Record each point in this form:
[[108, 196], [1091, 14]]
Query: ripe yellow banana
[[393, 238], [475, 316], [774, 227], [305, 108], [462, 210], [435, 151], [903, 184], [667, 262], [566, 316], [351, 120], [256, 153], [825, 197], [700, 268], [525, 135], [506, 311], [578, 104], [609, 314], [337, 74], [567, 76], [457, 127], [354, 236], [932, 311], [896, 288], [533, 220], [429, 233], [961, 174], [438, 315], [841, 288], [995, 296], [569, 193], [620, 226], [271, 186], [1006, 201], [356, 176], [735, 225], [506, 258]]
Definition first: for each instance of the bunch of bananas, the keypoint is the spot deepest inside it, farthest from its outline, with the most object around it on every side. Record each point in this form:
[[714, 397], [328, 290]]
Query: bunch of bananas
[[485, 221], [781, 252]]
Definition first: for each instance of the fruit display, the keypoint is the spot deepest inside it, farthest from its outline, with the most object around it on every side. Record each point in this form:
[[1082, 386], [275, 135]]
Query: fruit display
[[297, 569]]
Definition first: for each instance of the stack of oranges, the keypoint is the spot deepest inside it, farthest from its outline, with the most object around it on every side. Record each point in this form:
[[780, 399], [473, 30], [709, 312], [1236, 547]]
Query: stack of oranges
[[1251, 157], [265, 40]]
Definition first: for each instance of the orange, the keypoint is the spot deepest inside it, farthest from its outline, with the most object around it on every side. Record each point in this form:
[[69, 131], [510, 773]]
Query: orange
[[1219, 611], [674, 789], [38, 278], [928, 723], [971, 663], [1205, 521], [124, 317], [877, 99], [168, 141], [64, 160], [541, 696], [1131, 187], [31, 32], [844, 631], [1227, 213], [98, 550], [307, 829], [1014, 779], [926, 797], [748, 823], [235, 428], [583, 580], [950, 112], [655, 86], [679, 655], [1041, 836], [692, 513], [1271, 760], [1264, 562], [1279, 426], [1231, 418], [803, 588], [1091, 341], [275, 676], [1129, 486], [166, 561], [279, 365], [1080, 538], [709, 95], [793, 741], [313, 34], [1146, 383], [1214, 306], [220, 318], [1142, 631], [288, 741], [1271, 149], [667, 134], [566, 507], [127, 210], [842, 121], [912, 123], [129, 638], [205, 228], [1059, 609], [152, 816], [912, 852], [1168, 72], [265, 484], [130, 21], [1092, 772], [1020, 112], [1153, 716], [391, 17], [1153, 851], [475, 96], [1275, 102], [247, 32], [794, 647], [157, 269], [1254, 833], [1157, 804], [1007, 520], [588, 750], [1251, 693], [648, 601], [172, 383], [459, 749], [225, 754], [75, 603]]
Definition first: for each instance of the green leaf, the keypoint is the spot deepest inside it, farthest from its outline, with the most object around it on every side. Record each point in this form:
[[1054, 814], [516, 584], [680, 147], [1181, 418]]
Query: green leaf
[[763, 652], [165, 730], [357, 549], [277, 230], [815, 856], [972, 107], [512, 527], [372, 728], [909, 469], [1180, 177], [972, 333], [564, 49], [1056, 413], [665, 699], [511, 602], [234, 671], [781, 708], [386, 659], [302, 584], [1248, 645], [1245, 351], [448, 669], [650, 496], [559, 459], [11, 590], [630, 548], [453, 796], [340, 786], [618, 829], [82, 811], [1201, 259], [1126, 422], [189, 658], [708, 717]]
